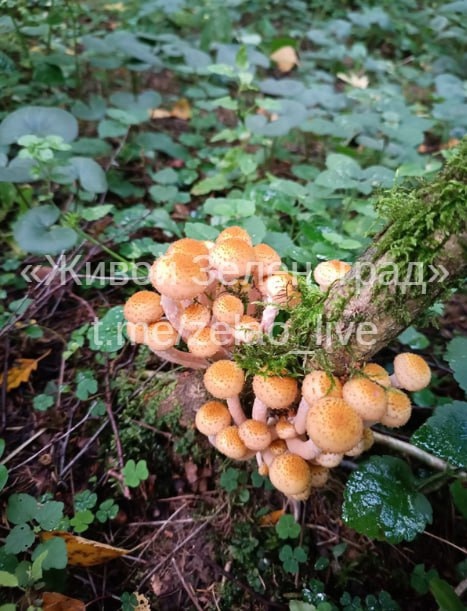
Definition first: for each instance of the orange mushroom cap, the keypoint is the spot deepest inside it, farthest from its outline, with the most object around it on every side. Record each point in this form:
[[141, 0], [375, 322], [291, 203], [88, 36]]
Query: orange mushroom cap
[[411, 371], [212, 417], [161, 336], [178, 276], [327, 272], [143, 306], [275, 391], [319, 384], [236, 232], [228, 308], [228, 442], [224, 379], [189, 247], [232, 258], [204, 343], [194, 317], [290, 474], [333, 425], [377, 374], [255, 435], [398, 410], [365, 397], [268, 261]]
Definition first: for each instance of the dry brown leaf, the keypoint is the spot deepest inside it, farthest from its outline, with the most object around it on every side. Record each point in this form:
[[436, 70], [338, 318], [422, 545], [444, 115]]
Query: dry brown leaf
[[181, 109], [285, 58], [53, 601], [21, 371], [271, 518], [355, 80], [84, 552]]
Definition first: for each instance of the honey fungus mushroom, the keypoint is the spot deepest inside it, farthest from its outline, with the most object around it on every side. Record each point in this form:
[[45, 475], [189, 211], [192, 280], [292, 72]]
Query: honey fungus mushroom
[[327, 272], [212, 417], [291, 475], [178, 276], [274, 392], [316, 385], [365, 397], [224, 379], [334, 426], [143, 307], [411, 372]]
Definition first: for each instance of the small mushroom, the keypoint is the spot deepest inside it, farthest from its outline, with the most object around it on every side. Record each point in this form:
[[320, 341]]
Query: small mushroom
[[333, 425], [204, 343], [236, 232], [228, 442], [228, 309], [143, 307], [247, 330], [329, 459], [367, 398], [190, 247], [277, 392], [224, 380], [327, 272], [232, 258], [161, 336], [285, 429], [399, 409], [290, 474], [267, 263], [212, 417], [377, 374], [255, 435], [195, 317], [178, 276], [411, 372], [319, 476], [316, 385]]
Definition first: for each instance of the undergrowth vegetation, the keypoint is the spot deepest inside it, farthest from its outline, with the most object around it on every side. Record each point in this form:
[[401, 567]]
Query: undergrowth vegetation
[[127, 125]]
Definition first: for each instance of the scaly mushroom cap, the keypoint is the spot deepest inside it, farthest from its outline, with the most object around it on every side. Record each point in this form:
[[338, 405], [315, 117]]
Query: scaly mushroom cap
[[268, 261], [191, 248], [143, 306], [212, 417], [329, 459], [377, 374], [178, 276], [255, 435], [327, 272], [236, 232], [319, 476], [275, 391], [195, 317], [228, 308], [290, 474], [137, 332], [285, 429], [232, 258], [247, 330], [203, 343], [161, 336], [224, 379], [278, 447], [281, 288], [366, 398], [411, 371], [319, 384], [398, 409], [228, 442], [333, 425]]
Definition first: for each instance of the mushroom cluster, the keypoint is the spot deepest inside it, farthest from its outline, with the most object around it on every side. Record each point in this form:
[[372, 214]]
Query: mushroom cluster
[[212, 296]]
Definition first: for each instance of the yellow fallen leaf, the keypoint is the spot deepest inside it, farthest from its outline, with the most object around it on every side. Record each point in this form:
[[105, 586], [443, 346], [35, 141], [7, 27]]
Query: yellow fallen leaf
[[84, 552], [182, 109], [21, 371], [271, 518], [119, 6], [53, 601], [160, 113], [360, 82], [285, 58]]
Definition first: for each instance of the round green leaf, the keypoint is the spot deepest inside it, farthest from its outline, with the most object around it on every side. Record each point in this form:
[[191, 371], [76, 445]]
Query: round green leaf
[[381, 501], [19, 539], [37, 233], [90, 174], [40, 121]]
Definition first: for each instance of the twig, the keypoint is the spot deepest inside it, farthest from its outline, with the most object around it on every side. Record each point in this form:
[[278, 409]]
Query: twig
[[408, 448], [163, 524], [89, 442], [24, 445], [188, 589], [460, 549]]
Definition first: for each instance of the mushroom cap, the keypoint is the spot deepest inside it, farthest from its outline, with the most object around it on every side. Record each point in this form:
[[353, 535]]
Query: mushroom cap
[[190, 247], [224, 379], [228, 442], [161, 336], [255, 435], [290, 474], [319, 384], [247, 330], [278, 447], [178, 276], [327, 272], [412, 371], [281, 288], [194, 317], [203, 343], [228, 308], [358, 449], [319, 476], [137, 332], [234, 232], [368, 439], [143, 306], [212, 417], [263, 470], [285, 429], [333, 425], [377, 374], [398, 410], [232, 258], [268, 261], [275, 391], [366, 398], [329, 459]]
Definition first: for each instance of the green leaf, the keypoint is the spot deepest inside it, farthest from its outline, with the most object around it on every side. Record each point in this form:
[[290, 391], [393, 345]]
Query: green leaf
[[459, 496], [445, 434], [91, 111], [146, 100], [445, 595], [3, 476], [108, 510], [287, 527], [37, 233], [39, 121], [108, 128], [86, 384], [96, 212], [42, 402], [85, 500], [21, 508], [7, 580], [135, 473], [420, 578], [57, 556], [90, 174], [229, 208], [298, 605], [218, 182], [381, 501], [456, 356], [2, 447], [106, 334], [167, 176], [49, 515], [200, 231], [229, 479], [19, 539], [163, 193], [414, 339], [81, 520]]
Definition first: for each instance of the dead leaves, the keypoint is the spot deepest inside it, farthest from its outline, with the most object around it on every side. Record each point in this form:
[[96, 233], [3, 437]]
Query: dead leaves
[[53, 601], [270, 519], [354, 80], [180, 110], [21, 371], [285, 58], [84, 552]]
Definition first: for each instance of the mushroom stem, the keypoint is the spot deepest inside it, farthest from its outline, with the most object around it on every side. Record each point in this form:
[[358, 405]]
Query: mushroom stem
[[300, 416], [260, 410], [185, 359], [296, 509], [306, 449], [269, 316], [268, 457], [394, 381], [236, 410], [173, 310]]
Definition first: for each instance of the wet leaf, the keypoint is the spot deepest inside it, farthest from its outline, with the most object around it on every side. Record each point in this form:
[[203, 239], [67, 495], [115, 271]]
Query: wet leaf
[[84, 552], [53, 601]]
